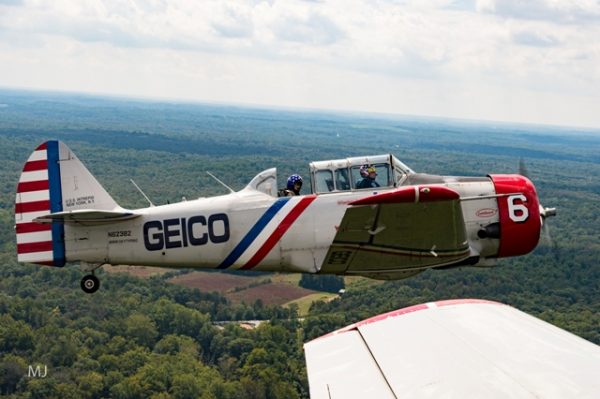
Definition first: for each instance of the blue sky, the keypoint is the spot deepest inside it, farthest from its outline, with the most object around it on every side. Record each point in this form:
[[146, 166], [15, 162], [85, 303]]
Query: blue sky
[[508, 60]]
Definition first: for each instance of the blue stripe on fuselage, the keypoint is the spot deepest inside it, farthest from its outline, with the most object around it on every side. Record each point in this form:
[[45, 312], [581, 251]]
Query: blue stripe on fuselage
[[58, 229], [253, 233]]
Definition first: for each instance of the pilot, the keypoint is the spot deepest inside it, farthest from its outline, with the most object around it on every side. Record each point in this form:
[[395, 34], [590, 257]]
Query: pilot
[[369, 174], [294, 185]]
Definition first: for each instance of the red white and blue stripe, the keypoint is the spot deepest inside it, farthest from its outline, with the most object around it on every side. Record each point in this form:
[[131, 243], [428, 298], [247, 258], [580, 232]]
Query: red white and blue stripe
[[266, 232], [39, 193]]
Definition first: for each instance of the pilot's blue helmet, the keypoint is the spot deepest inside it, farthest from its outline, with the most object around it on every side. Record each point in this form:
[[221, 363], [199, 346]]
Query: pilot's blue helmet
[[293, 179]]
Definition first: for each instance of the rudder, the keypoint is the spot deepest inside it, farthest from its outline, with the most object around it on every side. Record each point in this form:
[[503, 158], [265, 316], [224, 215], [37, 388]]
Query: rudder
[[53, 180]]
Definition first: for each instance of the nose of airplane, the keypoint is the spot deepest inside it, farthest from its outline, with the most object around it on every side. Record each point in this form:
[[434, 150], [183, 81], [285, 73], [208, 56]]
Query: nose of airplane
[[520, 214]]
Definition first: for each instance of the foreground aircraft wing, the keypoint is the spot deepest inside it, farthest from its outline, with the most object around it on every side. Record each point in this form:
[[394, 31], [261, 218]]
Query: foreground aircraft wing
[[395, 234], [453, 349]]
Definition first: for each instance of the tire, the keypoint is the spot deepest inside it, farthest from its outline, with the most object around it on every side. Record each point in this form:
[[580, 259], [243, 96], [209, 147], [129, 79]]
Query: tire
[[90, 284]]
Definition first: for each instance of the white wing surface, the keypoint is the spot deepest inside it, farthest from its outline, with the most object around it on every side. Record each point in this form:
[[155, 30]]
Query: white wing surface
[[453, 349]]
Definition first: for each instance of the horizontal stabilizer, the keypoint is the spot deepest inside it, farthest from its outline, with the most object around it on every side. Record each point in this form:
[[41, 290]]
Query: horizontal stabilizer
[[86, 216]]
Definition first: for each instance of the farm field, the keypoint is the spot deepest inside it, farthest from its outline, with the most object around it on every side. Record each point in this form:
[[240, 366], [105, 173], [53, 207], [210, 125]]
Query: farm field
[[269, 294], [217, 282], [271, 289], [305, 302], [276, 289], [137, 271]]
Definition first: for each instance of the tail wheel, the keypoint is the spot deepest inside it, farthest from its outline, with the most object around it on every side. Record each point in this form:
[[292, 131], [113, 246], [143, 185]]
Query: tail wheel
[[90, 283]]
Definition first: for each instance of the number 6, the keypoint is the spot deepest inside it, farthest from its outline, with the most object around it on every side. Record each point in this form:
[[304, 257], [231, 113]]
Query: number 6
[[520, 208]]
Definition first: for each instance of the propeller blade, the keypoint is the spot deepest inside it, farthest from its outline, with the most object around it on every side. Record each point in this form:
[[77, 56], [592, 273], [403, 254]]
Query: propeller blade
[[523, 169], [546, 213]]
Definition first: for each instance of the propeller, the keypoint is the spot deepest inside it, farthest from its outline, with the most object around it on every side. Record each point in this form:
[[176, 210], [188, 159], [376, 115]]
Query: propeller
[[523, 169]]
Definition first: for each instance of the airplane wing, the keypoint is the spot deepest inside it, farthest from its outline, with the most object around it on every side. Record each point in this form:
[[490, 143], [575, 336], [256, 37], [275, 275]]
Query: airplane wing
[[453, 349], [396, 234]]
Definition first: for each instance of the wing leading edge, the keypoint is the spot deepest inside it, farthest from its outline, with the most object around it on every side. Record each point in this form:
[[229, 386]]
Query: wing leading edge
[[453, 349]]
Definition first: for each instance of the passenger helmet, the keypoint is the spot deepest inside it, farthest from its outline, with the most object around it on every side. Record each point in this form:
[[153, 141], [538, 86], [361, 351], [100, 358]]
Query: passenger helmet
[[293, 179]]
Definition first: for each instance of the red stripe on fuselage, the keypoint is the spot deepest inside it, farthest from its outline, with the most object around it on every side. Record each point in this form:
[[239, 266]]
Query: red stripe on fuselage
[[285, 224], [38, 185]]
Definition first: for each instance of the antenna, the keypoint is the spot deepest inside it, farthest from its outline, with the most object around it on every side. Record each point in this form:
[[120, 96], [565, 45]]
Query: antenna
[[140, 190], [220, 182]]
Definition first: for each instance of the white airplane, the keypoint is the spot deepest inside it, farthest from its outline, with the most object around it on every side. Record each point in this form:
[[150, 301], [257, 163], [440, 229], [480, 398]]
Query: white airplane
[[401, 224], [464, 348]]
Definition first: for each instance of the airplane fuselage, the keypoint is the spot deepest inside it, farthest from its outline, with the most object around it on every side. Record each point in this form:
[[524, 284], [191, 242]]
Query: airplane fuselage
[[408, 223], [248, 231]]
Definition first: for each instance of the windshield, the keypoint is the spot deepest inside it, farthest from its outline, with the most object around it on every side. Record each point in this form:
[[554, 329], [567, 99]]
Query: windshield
[[324, 181]]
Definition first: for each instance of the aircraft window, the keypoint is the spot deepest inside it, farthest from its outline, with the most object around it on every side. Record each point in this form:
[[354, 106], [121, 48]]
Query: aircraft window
[[342, 179], [383, 175], [399, 176], [324, 181]]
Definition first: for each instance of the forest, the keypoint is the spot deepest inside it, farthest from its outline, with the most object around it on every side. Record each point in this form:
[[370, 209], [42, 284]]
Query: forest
[[148, 338]]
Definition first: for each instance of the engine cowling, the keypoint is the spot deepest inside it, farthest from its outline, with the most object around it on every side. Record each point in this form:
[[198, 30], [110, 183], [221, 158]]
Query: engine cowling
[[519, 213]]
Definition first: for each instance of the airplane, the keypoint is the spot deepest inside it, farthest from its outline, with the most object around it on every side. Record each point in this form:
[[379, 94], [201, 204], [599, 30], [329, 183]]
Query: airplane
[[400, 224], [458, 348]]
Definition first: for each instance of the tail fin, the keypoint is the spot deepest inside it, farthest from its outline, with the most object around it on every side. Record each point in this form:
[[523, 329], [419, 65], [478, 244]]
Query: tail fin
[[53, 180]]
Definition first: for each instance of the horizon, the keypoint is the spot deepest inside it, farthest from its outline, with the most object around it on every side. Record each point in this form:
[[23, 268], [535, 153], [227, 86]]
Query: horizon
[[305, 110]]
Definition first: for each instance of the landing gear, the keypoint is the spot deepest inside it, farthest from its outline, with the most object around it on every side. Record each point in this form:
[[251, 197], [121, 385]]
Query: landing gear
[[90, 283]]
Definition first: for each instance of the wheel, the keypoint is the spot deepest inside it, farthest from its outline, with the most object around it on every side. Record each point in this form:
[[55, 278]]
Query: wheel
[[90, 283]]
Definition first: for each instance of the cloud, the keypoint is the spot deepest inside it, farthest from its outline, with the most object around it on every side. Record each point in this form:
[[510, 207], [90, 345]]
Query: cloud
[[234, 22], [561, 12], [469, 46], [313, 28], [535, 39]]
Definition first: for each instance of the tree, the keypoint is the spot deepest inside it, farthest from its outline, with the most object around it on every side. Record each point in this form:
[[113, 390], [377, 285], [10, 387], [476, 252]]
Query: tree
[[90, 384], [142, 329], [15, 335], [12, 370], [174, 344], [327, 283], [185, 386]]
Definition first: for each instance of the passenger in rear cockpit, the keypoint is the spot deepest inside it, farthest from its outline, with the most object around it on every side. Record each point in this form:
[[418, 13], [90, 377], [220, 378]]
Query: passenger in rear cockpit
[[294, 185]]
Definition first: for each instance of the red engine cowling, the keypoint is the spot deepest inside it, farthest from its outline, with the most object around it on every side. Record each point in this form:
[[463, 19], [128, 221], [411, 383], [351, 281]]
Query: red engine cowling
[[519, 209]]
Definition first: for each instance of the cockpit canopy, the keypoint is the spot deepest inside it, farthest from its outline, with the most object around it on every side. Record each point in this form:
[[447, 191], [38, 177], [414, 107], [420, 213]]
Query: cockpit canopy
[[345, 174]]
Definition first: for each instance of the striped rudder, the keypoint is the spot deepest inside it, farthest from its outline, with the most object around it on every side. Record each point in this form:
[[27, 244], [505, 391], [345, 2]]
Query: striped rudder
[[56, 188], [39, 193]]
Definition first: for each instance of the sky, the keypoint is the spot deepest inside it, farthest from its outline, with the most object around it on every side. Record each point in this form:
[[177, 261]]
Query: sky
[[534, 61]]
